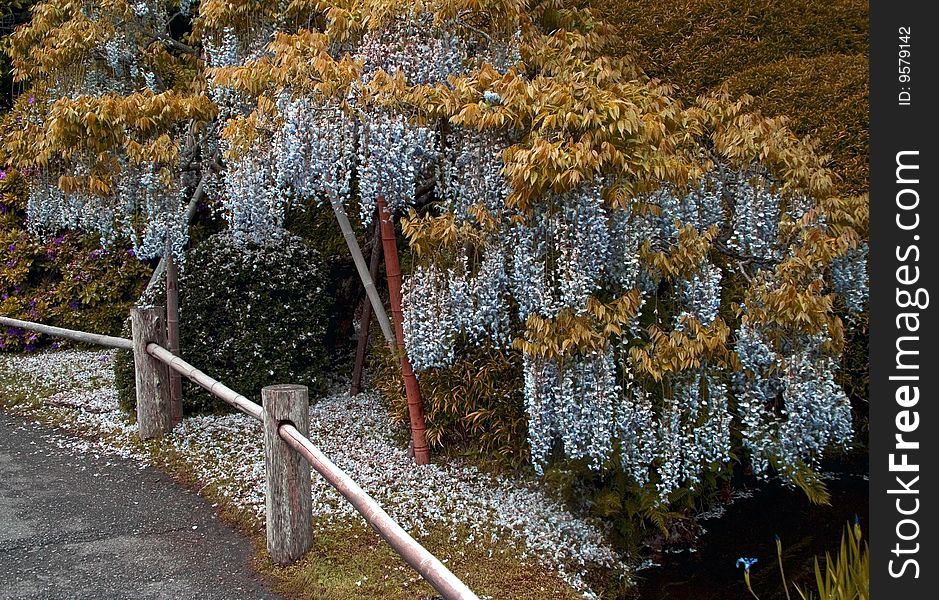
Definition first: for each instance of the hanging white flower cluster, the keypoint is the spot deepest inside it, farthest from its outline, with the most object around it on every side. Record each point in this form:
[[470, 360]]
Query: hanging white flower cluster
[[528, 281], [627, 233], [849, 278], [145, 200], [121, 58], [573, 406], [490, 318], [581, 239], [186, 6], [414, 47], [430, 325], [252, 203], [693, 432], [439, 306], [48, 209], [471, 172], [791, 408], [558, 255], [702, 208], [700, 296], [393, 153], [314, 149], [755, 218], [155, 201], [635, 429], [817, 411]]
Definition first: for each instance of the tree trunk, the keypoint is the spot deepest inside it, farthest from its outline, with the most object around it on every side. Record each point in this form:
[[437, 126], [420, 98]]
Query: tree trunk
[[411, 386], [366, 321]]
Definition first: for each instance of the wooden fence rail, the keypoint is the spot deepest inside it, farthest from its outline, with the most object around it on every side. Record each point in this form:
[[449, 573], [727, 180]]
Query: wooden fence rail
[[286, 540], [70, 334]]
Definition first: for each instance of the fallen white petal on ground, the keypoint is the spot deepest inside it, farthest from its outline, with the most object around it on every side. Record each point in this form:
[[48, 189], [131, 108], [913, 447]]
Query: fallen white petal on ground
[[227, 453]]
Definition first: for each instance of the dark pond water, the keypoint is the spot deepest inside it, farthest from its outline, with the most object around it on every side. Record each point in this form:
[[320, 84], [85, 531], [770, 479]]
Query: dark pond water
[[746, 529]]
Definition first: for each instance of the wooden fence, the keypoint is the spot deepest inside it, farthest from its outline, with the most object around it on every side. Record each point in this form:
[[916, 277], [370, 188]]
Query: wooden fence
[[288, 452]]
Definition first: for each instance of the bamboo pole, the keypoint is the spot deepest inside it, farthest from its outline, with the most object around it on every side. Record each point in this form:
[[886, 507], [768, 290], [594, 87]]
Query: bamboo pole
[[411, 386], [370, 291], [70, 334], [213, 386], [366, 321], [172, 329]]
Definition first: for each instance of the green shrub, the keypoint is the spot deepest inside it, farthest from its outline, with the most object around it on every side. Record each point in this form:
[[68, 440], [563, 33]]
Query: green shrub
[[253, 315], [802, 59], [697, 44], [825, 96], [846, 575], [474, 406]]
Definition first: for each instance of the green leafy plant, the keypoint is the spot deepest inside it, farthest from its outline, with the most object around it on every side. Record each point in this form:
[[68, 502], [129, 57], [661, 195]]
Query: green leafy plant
[[846, 575], [472, 407]]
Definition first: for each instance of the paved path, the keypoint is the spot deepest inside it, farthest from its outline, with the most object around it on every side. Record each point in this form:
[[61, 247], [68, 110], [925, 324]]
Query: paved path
[[77, 526]]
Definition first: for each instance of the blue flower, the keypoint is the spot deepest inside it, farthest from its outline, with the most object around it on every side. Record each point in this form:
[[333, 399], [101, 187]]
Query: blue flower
[[746, 562]]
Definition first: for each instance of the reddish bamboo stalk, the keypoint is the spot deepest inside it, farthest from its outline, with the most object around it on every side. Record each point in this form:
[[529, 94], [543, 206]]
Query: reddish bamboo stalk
[[411, 387], [366, 324]]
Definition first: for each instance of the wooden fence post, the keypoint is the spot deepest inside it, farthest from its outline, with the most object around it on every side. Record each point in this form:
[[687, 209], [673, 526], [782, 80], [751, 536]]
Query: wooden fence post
[[288, 498], [154, 410]]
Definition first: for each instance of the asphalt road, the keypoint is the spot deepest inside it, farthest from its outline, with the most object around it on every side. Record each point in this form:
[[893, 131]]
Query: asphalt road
[[73, 525]]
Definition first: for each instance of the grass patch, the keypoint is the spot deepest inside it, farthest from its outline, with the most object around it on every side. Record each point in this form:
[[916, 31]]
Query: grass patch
[[697, 44], [351, 561]]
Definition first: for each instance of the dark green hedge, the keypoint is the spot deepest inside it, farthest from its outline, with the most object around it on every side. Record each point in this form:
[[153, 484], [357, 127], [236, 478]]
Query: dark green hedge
[[251, 315], [803, 59]]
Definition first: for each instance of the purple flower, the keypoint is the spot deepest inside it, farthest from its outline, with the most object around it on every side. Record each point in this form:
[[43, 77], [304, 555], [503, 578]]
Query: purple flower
[[3, 174], [73, 305], [96, 254], [12, 248], [32, 99]]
